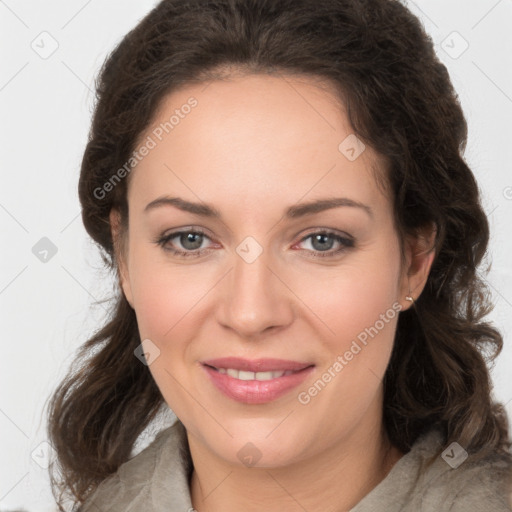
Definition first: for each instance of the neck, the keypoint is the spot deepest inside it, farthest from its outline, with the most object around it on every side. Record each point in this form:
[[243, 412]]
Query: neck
[[335, 480]]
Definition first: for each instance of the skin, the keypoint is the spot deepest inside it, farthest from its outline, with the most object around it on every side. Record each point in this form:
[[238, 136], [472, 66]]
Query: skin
[[254, 146]]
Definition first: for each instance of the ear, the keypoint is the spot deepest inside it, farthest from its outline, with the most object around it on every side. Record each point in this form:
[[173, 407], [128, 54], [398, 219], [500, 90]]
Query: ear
[[119, 242], [420, 254]]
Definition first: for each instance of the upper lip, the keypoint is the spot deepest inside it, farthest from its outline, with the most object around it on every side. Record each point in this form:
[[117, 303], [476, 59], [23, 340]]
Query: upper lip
[[256, 365]]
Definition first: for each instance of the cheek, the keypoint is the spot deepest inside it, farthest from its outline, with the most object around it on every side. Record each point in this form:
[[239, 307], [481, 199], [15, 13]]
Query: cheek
[[354, 296], [358, 309], [165, 295], [361, 312]]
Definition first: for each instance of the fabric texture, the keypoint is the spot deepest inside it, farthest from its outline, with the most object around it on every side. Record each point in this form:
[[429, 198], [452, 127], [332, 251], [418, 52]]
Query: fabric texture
[[156, 480]]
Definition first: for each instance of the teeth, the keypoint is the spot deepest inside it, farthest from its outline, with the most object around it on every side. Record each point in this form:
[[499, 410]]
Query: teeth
[[244, 375]]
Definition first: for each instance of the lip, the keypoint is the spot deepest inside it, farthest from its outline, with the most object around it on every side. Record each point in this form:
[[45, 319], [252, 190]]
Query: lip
[[255, 391]]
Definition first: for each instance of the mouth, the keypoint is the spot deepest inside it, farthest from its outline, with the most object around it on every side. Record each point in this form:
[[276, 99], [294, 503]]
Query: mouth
[[245, 375], [257, 381]]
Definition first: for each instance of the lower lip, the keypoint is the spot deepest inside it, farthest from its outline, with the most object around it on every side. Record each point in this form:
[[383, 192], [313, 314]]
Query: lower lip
[[256, 391]]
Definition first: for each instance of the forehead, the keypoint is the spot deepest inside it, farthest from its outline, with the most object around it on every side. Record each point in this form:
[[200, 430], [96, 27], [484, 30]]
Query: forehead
[[256, 137]]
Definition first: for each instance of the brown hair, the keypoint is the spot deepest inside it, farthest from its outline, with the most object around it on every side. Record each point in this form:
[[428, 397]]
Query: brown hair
[[401, 102]]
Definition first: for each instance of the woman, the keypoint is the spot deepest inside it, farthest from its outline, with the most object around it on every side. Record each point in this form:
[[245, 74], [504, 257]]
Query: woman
[[281, 190]]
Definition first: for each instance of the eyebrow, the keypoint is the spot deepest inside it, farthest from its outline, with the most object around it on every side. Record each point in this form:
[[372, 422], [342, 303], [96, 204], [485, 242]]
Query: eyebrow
[[293, 212]]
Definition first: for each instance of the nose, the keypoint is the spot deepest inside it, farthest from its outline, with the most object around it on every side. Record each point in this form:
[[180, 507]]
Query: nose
[[255, 298]]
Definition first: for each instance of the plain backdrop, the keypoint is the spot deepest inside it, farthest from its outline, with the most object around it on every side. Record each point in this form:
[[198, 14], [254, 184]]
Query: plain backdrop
[[51, 53]]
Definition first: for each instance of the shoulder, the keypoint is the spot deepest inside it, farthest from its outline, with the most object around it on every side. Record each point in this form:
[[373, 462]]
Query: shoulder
[[156, 473], [433, 477], [451, 481], [474, 486]]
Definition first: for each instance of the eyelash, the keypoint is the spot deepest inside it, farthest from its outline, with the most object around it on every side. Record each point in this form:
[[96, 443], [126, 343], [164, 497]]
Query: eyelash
[[346, 243]]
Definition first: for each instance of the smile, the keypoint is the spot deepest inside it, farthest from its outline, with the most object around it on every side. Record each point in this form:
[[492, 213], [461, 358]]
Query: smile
[[245, 375], [272, 379]]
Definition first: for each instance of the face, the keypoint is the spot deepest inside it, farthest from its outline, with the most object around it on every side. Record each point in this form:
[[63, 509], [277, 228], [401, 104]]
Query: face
[[227, 255]]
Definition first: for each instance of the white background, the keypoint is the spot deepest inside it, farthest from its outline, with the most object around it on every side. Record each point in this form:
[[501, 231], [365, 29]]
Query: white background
[[46, 308]]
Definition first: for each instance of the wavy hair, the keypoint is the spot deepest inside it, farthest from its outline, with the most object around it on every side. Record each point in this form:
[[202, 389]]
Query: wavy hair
[[401, 102]]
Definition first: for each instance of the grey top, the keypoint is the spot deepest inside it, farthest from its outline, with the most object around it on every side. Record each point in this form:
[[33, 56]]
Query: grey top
[[156, 480]]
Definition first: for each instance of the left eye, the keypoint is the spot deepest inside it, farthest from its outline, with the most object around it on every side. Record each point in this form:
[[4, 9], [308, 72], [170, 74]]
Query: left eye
[[322, 242]]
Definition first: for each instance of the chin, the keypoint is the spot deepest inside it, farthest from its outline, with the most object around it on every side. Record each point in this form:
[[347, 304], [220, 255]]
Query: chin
[[260, 443]]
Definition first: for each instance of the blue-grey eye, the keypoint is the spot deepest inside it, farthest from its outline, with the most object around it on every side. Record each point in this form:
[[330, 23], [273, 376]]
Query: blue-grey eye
[[191, 241], [322, 241]]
